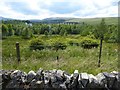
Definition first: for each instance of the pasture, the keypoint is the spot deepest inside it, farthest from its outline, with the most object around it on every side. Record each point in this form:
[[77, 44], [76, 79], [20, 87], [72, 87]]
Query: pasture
[[73, 57]]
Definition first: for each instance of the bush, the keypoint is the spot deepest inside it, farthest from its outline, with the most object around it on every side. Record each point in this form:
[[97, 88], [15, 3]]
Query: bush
[[73, 42], [36, 44], [111, 40], [58, 45], [89, 43], [26, 34]]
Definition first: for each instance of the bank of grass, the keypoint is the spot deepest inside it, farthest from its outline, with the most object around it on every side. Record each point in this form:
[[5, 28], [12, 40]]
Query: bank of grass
[[73, 57], [94, 21]]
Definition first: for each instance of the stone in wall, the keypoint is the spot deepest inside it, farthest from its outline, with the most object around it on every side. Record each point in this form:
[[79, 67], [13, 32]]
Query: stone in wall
[[58, 79]]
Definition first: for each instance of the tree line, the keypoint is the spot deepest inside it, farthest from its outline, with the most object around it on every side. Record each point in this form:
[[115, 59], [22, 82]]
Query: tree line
[[27, 29]]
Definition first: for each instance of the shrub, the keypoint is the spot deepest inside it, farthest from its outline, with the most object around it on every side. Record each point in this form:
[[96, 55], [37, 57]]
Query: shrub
[[73, 42], [111, 40], [89, 43], [4, 31], [58, 45], [36, 44], [26, 33]]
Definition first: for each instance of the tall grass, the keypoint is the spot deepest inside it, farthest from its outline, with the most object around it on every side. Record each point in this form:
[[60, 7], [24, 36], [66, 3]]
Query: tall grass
[[73, 57]]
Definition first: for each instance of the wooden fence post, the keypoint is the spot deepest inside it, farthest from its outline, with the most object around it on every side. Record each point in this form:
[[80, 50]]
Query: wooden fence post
[[18, 51], [99, 60]]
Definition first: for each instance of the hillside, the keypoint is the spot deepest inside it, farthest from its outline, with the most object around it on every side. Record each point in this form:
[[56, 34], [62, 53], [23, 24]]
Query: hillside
[[109, 20], [92, 21]]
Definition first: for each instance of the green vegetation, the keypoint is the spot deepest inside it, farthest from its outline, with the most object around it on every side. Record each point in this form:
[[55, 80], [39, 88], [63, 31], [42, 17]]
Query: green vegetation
[[20, 28], [36, 44], [73, 57], [60, 46], [89, 43], [94, 21], [26, 33]]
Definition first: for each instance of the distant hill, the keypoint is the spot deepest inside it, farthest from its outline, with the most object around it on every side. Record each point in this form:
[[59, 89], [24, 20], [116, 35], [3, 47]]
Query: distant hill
[[5, 19], [108, 20], [35, 20], [56, 20], [92, 21]]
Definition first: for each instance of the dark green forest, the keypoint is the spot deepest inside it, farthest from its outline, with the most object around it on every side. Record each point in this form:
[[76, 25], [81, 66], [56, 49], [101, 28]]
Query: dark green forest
[[27, 29]]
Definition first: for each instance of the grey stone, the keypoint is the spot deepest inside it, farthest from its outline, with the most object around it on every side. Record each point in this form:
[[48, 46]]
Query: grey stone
[[60, 72], [23, 79], [93, 82], [67, 83], [30, 76], [39, 72], [117, 80], [84, 79], [36, 84], [60, 76], [76, 71], [18, 74], [39, 82], [67, 76], [110, 79], [53, 79], [13, 84], [55, 85], [18, 79], [32, 84], [74, 80], [0, 77], [102, 80], [74, 84], [76, 74], [115, 72], [58, 79], [63, 86], [53, 71], [15, 73], [79, 82], [6, 78], [118, 77], [116, 83], [46, 81], [47, 76]]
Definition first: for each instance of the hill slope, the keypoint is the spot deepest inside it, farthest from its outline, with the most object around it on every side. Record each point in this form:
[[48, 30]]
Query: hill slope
[[92, 21], [109, 20]]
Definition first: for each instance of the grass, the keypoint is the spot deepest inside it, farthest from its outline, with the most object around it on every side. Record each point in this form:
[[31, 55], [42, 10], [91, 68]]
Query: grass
[[94, 21], [73, 57]]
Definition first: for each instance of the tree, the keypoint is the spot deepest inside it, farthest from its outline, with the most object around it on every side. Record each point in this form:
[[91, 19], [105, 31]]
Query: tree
[[17, 30], [10, 30], [62, 31], [46, 33], [65, 33], [101, 31], [26, 34], [4, 30]]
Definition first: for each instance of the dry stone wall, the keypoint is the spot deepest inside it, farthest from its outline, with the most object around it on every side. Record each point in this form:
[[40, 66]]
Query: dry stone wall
[[58, 80]]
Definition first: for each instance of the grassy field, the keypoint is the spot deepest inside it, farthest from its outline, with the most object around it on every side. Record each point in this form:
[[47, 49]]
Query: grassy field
[[73, 57], [94, 21]]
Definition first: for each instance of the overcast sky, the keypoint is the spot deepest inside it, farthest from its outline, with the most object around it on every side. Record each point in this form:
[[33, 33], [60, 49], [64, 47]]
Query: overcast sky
[[40, 9]]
